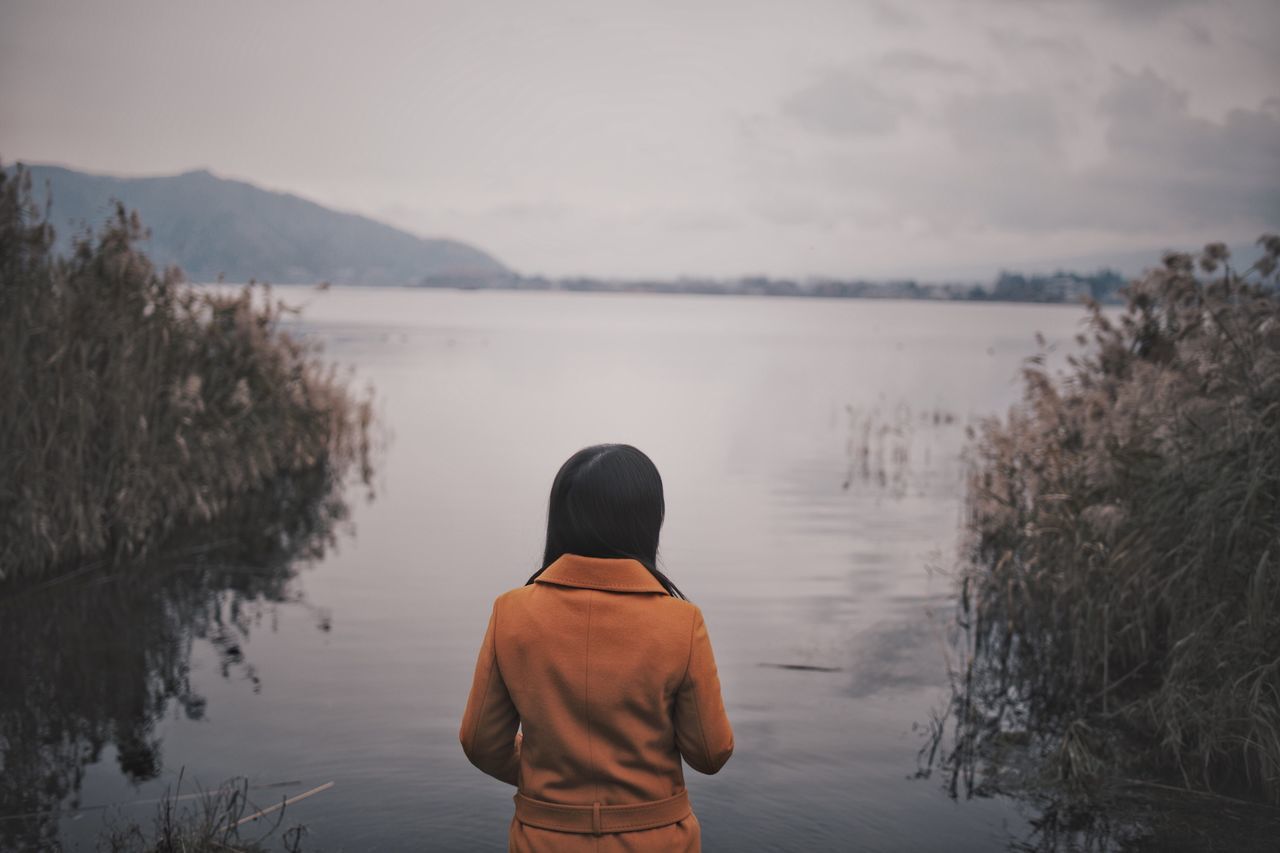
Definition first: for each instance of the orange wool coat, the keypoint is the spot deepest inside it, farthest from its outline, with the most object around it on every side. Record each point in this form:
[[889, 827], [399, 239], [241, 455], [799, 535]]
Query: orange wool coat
[[610, 681]]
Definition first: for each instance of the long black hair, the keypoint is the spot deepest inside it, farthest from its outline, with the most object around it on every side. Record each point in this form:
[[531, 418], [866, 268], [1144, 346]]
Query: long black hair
[[606, 501]]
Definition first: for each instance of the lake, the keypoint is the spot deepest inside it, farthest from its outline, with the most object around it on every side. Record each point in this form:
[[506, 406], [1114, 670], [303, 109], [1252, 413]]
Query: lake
[[810, 451]]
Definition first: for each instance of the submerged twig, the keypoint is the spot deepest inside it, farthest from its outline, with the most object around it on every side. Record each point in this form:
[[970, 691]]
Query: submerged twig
[[269, 809]]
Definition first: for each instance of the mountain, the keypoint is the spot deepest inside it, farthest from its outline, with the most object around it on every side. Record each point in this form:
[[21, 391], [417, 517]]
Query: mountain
[[212, 226]]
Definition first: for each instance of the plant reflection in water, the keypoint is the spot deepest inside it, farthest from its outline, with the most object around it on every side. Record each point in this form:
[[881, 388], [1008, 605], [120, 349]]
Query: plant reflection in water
[[985, 742], [92, 660]]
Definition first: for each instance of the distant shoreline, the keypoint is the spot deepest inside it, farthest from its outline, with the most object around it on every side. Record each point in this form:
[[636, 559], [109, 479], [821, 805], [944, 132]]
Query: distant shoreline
[[1061, 289]]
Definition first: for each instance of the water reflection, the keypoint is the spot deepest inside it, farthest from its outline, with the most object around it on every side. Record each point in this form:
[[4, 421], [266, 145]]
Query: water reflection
[[901, 450], [93, 661], [984, 745]]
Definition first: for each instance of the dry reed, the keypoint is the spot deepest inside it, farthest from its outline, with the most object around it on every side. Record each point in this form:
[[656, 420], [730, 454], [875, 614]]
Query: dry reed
[[133, 406], [1121, 595]]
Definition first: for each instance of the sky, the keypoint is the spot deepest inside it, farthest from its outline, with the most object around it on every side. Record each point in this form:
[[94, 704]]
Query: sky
[[660, 139]]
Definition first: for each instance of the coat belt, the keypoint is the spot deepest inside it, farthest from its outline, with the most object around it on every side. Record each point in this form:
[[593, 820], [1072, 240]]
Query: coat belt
[[596, 818]]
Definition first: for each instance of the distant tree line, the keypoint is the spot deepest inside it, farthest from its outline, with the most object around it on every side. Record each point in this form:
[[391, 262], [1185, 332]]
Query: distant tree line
[[1060, 287]]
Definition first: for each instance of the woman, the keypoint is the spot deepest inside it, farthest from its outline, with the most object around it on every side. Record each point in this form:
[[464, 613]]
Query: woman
[[605, 668]]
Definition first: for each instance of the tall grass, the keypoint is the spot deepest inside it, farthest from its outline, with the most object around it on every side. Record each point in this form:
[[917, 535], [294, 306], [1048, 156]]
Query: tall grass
[[1122, 588], [132, 406]]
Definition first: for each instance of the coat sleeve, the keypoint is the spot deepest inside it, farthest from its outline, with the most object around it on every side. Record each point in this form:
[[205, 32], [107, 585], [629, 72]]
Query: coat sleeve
[[703, 734], [489, 723]]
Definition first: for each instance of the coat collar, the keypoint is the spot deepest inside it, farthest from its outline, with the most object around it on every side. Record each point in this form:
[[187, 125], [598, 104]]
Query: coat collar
[[612, 574]]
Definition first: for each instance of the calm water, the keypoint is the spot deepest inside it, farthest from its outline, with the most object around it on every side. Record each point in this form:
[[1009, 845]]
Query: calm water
[[799, 549]]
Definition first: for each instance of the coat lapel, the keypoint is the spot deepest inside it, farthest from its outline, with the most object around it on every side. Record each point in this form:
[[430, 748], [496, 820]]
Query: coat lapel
[[611, 574]]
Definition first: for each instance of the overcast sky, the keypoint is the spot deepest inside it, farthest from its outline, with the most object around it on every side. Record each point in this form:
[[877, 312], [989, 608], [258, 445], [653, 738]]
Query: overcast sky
[[794, 137]]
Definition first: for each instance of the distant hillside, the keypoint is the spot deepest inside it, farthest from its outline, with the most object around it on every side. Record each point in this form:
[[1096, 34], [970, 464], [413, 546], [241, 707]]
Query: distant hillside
[[210, 226]]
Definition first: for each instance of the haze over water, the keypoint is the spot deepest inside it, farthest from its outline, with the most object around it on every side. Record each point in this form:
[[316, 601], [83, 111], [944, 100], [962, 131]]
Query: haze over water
[[755, 411]]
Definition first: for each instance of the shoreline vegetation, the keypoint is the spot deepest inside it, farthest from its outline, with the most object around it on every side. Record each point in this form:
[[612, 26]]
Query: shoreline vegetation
[[1118, 618], [169, 459], [135, 408]]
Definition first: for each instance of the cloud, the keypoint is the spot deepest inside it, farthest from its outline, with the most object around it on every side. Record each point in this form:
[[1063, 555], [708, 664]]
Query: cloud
[[1003, 164], [1142, 11], [891, 15], [1204, 168], [1198, 33], [1149, 126], [1162, 167], [847, 103], [1128, 11], [1022, 124], [1030, 44], [531, 210], [918, 61], [1141, 98]]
